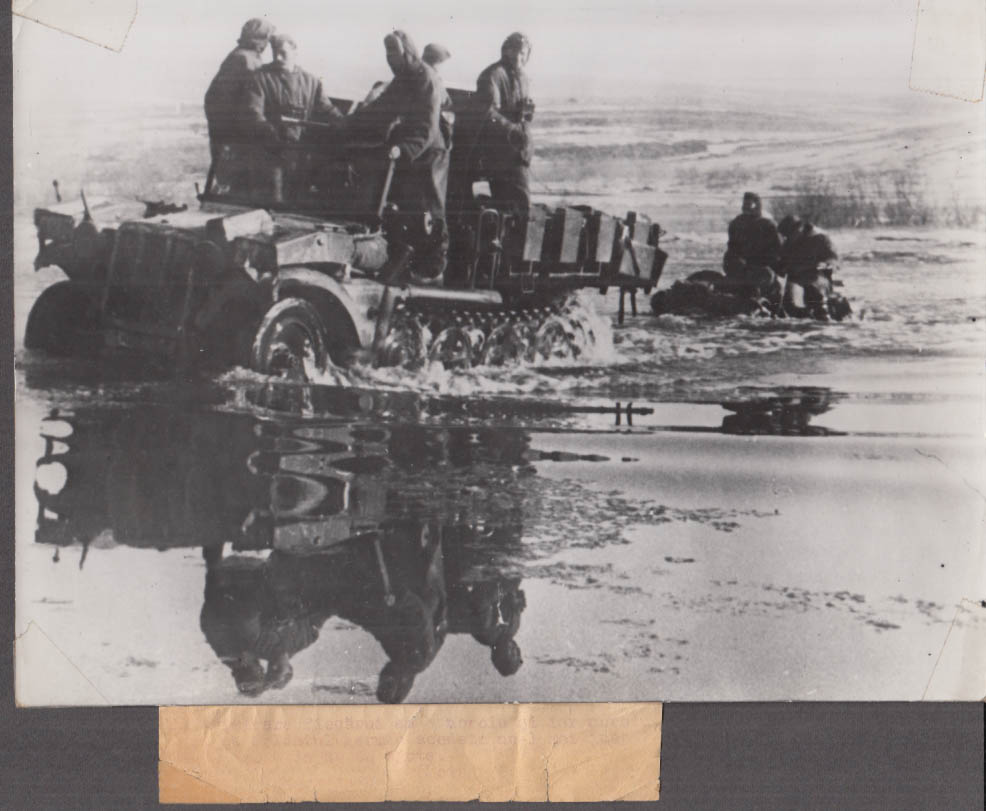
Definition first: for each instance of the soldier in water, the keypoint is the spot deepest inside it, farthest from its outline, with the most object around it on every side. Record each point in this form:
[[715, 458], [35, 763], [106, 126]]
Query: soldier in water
[[806, 259], [753, 253]]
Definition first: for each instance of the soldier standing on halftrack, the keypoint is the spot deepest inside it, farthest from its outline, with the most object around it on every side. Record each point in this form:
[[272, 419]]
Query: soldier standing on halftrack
[[502, 91], [409, 111], [224, 100], [279, 91], [434, 55]]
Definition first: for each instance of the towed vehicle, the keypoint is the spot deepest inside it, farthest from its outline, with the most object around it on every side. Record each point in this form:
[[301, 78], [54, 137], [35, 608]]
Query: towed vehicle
[[708, 293], [316, 271]]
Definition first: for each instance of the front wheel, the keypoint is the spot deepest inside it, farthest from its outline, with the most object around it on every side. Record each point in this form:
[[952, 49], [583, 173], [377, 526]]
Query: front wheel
[[64, 321], [291, 342]]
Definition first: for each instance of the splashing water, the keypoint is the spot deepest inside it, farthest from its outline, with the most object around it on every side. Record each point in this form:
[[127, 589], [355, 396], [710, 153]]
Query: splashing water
[[544, 366]]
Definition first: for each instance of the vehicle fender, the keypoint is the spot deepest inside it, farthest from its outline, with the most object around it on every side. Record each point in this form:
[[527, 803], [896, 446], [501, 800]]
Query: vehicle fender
[[358, 299]]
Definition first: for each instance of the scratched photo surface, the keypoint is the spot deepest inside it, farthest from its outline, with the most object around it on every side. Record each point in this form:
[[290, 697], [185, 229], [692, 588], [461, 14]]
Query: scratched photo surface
[[524, 484]]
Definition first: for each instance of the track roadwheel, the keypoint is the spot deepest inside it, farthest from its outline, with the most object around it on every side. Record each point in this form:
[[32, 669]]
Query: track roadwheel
[[290, 342], [63, 321], [504, 345], [452, 348], [558, 339], [404, 345]]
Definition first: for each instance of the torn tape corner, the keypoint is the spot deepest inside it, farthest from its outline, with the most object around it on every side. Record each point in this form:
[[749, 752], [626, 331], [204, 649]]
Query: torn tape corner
[[105, 23], [948, 57]]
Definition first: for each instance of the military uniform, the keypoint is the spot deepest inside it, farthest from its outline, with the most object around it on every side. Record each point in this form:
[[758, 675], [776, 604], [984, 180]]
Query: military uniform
[[225, 98], [225, 102], [806, 258], [279, 169], [274, 93], [504, 144], [752, 254], [753, 242], [414, 100]]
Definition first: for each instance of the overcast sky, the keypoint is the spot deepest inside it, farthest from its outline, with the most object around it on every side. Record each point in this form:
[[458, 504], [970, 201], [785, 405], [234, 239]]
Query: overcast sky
[[580, 48]]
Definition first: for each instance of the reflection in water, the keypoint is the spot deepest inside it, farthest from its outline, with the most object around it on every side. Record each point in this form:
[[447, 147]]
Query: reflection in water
[[410, 532], [388, 527], [785, 414]]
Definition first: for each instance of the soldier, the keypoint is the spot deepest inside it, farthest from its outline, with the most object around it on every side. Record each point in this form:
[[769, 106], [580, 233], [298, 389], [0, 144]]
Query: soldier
[[225, 98], [806, 259], [434, 55], [413, 100], [752, 253], [502, 93], [278, 91]]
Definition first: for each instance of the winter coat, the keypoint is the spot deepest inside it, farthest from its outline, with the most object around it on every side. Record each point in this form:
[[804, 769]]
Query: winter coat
[[225, 100], [753, 240], [500, 95], [274, 93]]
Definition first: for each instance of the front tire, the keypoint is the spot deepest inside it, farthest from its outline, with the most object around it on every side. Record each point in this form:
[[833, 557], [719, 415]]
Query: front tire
[[64, 321], [291, 342]]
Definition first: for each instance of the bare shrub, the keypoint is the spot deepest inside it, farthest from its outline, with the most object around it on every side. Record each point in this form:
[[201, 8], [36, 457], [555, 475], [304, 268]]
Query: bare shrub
[[865, 199], [722, 179]]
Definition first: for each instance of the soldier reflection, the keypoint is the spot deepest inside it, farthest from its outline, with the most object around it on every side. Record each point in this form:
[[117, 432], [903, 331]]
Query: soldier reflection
[[487, 609], [787, 414], [409, 532], [391, 584], [398, 584]]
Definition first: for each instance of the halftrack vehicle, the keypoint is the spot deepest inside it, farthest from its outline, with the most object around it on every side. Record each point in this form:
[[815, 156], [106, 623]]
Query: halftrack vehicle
[[316, 271]]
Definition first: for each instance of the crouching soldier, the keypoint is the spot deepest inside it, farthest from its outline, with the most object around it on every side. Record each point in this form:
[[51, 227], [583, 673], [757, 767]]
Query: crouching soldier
[[807, 260], [279, 95], [753, 254]]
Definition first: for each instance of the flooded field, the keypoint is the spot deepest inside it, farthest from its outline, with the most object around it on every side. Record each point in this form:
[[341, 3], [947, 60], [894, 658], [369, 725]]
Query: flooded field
[[701, 509]]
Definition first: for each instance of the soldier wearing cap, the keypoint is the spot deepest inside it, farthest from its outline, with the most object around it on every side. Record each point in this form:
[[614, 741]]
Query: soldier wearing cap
[[282, 90], [503, 95], [276, 92], [753, 252], [225, 98]]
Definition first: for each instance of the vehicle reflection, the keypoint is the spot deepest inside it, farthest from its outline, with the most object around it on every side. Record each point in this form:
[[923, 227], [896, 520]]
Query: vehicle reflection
[[786, 414], [406, 531]]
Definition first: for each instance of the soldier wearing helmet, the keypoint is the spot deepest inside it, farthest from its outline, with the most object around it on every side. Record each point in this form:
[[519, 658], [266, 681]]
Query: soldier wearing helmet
[[225, 98], [503, 94]]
